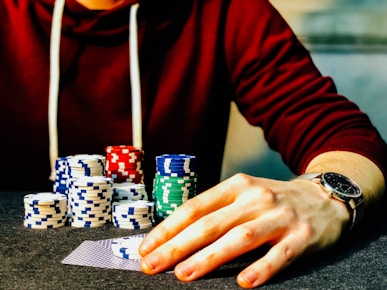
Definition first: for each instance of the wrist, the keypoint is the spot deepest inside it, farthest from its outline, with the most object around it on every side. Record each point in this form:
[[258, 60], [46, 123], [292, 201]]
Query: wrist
[[342, 190]]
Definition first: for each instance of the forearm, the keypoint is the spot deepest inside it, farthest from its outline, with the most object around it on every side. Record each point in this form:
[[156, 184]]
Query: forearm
[[359, 168]]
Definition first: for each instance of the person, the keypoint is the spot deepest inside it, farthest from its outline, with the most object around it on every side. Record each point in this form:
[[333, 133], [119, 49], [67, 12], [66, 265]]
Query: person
[[78, 75]]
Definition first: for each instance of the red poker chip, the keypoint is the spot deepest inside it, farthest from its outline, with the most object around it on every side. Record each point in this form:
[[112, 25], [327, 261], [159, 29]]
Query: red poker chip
[[124, 173], [131, 157], [122, 149], [115, 166]]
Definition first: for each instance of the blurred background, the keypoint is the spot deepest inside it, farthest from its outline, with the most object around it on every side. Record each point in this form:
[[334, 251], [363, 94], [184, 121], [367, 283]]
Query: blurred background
[[348, 41]]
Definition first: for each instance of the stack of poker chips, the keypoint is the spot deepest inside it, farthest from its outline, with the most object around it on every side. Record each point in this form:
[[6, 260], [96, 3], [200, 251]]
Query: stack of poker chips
[[76, 166], [174, 182], [90, 201], [133, 214], [61, 175], [127, 247], [45, 210], [129, 191], [124, 164]]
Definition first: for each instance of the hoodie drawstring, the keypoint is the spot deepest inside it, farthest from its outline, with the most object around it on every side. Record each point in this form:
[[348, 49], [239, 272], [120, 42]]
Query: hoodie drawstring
[[55, 78], [135, 79], [54, 83]]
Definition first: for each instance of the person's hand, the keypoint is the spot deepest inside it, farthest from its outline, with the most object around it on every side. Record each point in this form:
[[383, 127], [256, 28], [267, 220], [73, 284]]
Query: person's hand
[[239, 215]]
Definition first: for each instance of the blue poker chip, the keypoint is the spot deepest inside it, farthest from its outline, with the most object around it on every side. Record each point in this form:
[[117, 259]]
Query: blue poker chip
[[175, 157]]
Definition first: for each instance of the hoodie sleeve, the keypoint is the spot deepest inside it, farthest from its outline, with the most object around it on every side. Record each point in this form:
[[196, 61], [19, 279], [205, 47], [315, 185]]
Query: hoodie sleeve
[[279, 88]]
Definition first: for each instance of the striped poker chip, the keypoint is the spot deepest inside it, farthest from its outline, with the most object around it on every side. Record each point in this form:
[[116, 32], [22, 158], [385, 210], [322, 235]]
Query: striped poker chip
[[43, 225], [129, 226], [87, 216], [122, 149], [91, 181], [133, 206], [44, 198], [127, 247], [174, 182], [91, 210], [129, 191], [88, 224], [101, 219], [86, 165], [89, 202]]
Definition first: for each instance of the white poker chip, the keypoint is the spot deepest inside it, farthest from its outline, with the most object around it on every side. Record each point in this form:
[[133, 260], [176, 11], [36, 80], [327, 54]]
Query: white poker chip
[[42, 225], [91, 181], [127, 247], [88, 159], [88, 224], [130, 226], [135, 204], [44, 198]]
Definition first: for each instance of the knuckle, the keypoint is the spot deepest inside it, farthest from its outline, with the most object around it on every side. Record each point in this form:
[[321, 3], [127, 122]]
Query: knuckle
[[210, 223], [288, 253], [242, 179], [268, 267], [191, 209], [244, 233], [306, 230], [268, 196], [288, 213]]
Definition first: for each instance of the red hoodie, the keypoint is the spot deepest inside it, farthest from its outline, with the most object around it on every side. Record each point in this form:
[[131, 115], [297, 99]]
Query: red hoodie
[[195, 57]]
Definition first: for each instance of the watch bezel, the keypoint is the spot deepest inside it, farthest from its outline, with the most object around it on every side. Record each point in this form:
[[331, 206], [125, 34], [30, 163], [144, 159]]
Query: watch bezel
[[331, 180]]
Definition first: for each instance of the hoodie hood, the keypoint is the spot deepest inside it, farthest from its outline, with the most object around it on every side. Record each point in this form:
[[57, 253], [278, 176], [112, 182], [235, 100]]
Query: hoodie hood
[[107, 25]]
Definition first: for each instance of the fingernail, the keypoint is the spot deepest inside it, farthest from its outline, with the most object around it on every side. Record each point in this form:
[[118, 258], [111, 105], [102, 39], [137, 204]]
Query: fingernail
[[186, 268], [250, 277], [150, 262], [146, 246]]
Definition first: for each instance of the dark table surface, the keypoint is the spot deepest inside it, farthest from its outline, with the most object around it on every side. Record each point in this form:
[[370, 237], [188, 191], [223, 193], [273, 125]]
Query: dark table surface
[[31, 259]]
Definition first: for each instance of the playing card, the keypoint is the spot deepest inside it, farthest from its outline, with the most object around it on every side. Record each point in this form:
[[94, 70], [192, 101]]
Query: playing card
[[99, 254]]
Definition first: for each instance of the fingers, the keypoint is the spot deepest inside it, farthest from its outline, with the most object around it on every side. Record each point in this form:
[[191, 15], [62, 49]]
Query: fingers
[[239, 240], [278, 258], [209, 201], [194, 237], [183, 217]]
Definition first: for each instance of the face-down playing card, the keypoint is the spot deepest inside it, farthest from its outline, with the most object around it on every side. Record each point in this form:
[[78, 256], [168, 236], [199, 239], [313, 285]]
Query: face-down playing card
[[118, 253]]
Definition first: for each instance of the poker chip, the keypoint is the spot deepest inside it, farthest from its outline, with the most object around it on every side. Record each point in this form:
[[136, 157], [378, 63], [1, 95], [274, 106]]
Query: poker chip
[[129, 191], [133, 214], [90, 201], [127, 247], [88, 224], [45, 210], [174, 182], [86, 165], [124, 163]]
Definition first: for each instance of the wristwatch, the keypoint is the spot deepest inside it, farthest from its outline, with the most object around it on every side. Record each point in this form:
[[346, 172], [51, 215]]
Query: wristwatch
[[343, 189]]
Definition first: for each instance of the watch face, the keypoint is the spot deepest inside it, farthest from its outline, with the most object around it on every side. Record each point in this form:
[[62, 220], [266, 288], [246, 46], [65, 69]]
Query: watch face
[[340, 184]]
